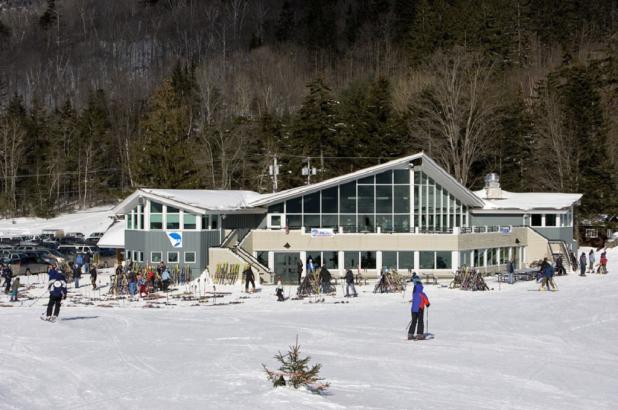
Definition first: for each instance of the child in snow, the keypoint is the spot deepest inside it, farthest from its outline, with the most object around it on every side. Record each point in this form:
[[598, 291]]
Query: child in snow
[[279, 290], [93, 277], [591, 260], [14, 289], [141, 285], [603, 263], [582, 264], [419, 302]]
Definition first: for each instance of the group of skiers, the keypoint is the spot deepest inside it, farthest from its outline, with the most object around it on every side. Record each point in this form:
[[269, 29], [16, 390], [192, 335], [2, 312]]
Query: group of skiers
[[10, 286], [591, 259], [82, 266]]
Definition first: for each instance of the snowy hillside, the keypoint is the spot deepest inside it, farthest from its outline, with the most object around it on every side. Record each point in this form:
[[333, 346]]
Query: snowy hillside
[[510, 348], [87, 221]]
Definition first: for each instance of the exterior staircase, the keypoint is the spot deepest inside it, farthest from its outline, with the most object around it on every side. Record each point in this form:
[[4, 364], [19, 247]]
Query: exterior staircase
[[233, 242], [559, 248]]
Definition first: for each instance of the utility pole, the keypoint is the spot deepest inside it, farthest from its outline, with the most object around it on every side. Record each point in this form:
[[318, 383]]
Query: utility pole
[[308, 171], [273, 171]]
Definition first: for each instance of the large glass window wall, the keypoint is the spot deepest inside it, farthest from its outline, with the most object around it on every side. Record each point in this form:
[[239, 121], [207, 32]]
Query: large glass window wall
[[385, 202]]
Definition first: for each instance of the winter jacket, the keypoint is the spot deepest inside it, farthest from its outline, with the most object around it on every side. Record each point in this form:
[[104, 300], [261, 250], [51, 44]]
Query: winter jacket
[[249, 274], [57, 287], [325, 275], [349, 277], [7, 273], [548, 271], [510, 267], [419, 298], [582, 260], [603, 260], [165, 275], [591, 257], [79, 260], [15, 286]]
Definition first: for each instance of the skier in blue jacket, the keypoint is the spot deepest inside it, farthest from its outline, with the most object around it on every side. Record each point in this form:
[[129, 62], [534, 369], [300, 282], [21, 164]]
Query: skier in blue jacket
[[419, 302], [57, 287]]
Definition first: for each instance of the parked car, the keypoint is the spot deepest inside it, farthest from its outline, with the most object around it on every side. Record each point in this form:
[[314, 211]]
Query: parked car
[[28, 265], [68, 251], [89, 249], [77, 235]]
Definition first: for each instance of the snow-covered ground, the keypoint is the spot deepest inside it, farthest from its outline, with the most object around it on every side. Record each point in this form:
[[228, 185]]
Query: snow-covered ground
[[510, 348], [96, 219]]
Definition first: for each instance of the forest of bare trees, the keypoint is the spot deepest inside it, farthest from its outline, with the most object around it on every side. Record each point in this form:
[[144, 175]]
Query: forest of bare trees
[[100, 97]]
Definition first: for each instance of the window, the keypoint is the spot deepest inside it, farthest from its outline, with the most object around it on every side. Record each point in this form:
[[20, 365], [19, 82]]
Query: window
[[139, 256], [426, 260], [347, 198], [189, 257], [464, 258], [365, 198], [205, 222], [190, 221], [402, 176], [350, 259], [385, 178], [385, 222], [365, 223], [275, 221], [550, 220], [366, 181], [262, 257], [384, 199], [348, 222], [311, 221], [406, 260], [156, 216], [173, 218], [329, 221], [155, 257], [402, 223], [294, 221], [592, 233], [213, 221], [479, 259], [389, 260], [172, 257], [311, 203], [536, 220], [443, 260], [294, 206], [401, 199], [129, 218], [329, 201], [368, 260], [331, 259]]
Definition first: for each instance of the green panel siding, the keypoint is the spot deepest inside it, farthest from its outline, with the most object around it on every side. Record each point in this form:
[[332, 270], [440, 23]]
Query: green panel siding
[[496, 220]]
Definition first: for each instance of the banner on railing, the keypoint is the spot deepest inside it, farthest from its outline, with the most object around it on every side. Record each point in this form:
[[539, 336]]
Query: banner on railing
[[322, 232], [506, 230]]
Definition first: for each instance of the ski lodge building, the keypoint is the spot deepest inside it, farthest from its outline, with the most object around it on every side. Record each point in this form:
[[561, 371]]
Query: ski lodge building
[[408, 214]]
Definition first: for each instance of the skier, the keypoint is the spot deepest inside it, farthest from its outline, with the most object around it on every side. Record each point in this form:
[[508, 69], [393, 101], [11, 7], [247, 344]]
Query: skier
[[510, 270], [7, 274], [582, 264], [591, 261], [249, 278], [548, 273], [279, 290], [603, 263], [419, 302], [57, 287], [14, 289], [349, 280]]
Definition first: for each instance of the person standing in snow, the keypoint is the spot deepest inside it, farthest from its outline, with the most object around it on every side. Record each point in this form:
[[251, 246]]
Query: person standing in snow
[[560, 267], [548, 273], [93, 277], [14, 289], [310, 266], [249, 278], [7, 274], [325, 278], [279, 290], [419, 302], [57, 287], [165, 279], [582, 264], [349, 281], [132, 283], [591, 261], [603, 263]]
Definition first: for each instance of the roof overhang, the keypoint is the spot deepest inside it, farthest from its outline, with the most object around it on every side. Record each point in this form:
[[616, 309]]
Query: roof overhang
[[141, 195]]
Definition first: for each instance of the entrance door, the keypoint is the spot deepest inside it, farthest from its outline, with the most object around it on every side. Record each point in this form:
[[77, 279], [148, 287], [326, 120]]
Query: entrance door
[[286, 266]]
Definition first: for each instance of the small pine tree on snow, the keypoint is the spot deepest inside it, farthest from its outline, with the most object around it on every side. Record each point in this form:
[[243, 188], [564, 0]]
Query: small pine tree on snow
[[295, 371]]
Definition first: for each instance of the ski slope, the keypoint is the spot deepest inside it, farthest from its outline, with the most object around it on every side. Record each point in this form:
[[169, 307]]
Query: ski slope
[[510, 348]]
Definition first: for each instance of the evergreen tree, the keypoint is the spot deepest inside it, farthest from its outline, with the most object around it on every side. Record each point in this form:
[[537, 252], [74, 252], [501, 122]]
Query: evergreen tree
[[165, 156]]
